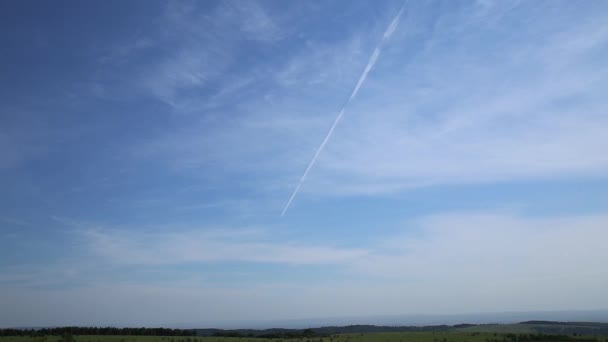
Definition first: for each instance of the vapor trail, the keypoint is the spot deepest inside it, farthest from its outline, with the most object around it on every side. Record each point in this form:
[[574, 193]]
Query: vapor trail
[[372, 60]]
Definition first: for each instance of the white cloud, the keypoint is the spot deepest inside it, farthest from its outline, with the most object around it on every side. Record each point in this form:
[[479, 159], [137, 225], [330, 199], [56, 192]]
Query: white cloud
[[467, 247], [448, 263], [138, 248], [189, 68], [464, 115], [496, 261], [189, 57], [452, 109], [497, 246], [254, 21]]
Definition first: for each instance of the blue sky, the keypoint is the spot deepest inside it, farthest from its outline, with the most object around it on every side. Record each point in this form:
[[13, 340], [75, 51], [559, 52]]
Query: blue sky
[[147, 150]]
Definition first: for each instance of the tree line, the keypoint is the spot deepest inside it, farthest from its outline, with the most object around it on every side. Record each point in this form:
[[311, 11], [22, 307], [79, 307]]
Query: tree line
[[269, 333], [61, 331]]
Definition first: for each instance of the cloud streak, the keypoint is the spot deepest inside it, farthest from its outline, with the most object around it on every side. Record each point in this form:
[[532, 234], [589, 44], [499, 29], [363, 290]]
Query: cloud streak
[[420, 125], [170, 248], [372, 61]]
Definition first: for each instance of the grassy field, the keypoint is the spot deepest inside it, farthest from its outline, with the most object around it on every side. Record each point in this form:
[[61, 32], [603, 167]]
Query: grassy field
[[462, 336], [500, 328]]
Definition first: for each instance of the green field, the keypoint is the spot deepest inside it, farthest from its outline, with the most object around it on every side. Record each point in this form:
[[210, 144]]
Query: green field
[[462, 336]]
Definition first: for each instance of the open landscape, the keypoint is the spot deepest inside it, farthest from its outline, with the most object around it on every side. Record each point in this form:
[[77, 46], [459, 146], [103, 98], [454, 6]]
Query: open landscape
[[538, 331], [303, 170], [362, 337]]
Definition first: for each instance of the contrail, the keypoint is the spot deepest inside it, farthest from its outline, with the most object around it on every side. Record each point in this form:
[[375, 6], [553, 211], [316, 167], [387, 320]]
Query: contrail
[[372, 60]]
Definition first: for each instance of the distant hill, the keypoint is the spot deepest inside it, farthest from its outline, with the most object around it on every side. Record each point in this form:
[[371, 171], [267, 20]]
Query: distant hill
[[538, 327], [511, 317], [545, 327], [349, 329], [548, 328]]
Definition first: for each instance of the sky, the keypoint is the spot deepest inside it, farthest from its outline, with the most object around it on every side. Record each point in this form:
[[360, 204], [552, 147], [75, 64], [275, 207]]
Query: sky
[[149, 149]]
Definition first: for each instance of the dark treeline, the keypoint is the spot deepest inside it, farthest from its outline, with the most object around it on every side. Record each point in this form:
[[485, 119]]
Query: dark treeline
[[323, 331], [97, 331], [558, 329], [541, 338], [539, 327], [356, 329], [270, 333], [568, 328], [581, 324]]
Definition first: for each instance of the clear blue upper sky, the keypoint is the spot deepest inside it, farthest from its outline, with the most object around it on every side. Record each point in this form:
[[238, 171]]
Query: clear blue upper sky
[[148, 148]]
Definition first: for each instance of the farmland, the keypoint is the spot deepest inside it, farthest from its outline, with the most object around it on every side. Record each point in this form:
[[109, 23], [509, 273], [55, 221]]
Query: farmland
[[532, 331], [450, 336]]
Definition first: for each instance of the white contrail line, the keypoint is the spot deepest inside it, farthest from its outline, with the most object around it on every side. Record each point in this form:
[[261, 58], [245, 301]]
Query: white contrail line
[[372, 60]]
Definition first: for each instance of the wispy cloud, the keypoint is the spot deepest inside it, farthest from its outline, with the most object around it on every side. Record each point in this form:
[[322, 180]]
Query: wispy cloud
[[535, 112], [14, 221], [127, 247], [498, 245], [253, 20], [439, 247], [532, 108], [449, 263]]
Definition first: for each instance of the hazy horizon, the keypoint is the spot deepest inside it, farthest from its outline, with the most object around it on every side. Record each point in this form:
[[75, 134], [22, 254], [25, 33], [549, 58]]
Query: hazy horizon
[[414, 320], [166, 162], [600, 316]]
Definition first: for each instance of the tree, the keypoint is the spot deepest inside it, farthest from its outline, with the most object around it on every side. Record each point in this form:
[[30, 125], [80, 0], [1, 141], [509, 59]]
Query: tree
[[308, 332]]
